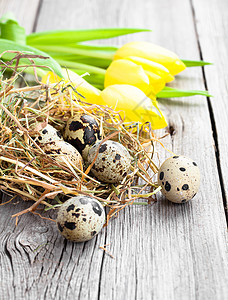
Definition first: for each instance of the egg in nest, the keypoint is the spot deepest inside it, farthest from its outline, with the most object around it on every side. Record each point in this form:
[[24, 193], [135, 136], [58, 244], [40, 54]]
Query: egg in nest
[[82, 131], [61, 151], [179, 177], [80, 218], [112, 163], [49, 134]]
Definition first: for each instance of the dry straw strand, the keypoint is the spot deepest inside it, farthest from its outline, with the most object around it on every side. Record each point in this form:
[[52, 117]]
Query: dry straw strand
[[26, 170]]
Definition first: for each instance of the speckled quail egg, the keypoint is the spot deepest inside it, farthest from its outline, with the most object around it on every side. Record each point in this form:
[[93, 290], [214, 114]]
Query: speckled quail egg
[[62, 150], [49, 134], [82, 131], [112, 163], [80, 218], [179, 177]]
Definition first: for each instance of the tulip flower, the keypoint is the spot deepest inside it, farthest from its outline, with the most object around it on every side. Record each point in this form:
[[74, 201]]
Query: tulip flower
[[130, 101], [133, 104], [88, 91], [125, 71], [151, 66], [153, 53]]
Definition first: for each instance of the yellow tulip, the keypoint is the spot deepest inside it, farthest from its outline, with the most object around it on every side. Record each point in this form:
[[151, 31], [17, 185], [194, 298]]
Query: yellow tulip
[[152, 66], [133, 104], [125, 71], [88, 91], [152, 52]]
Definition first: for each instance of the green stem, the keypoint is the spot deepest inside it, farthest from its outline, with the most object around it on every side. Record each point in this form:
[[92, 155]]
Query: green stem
[[79, 51], [117, 192], [75, 65], [169, 92]]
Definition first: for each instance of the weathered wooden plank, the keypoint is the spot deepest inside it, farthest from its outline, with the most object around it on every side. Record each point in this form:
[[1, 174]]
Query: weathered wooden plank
[[213, 42], [178, 259], [33, 258], [164, 251], [191, 254]]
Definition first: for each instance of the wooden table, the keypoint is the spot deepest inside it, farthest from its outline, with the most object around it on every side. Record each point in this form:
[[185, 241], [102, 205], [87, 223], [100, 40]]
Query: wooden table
[[163, 251]]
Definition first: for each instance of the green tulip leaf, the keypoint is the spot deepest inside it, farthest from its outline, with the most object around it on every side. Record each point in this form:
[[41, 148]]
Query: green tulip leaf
[[195, 63], [11, 30], [169, 92], [43, 60], [63, 37]]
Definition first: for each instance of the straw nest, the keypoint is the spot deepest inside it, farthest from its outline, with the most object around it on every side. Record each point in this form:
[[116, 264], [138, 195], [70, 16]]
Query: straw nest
[[26, 170]]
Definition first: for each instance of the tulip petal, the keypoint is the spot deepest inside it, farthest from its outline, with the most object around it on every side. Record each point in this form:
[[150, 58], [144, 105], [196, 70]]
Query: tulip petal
[[133, 104], [152, 66], [157, 83], [123, 71], [154, 53]]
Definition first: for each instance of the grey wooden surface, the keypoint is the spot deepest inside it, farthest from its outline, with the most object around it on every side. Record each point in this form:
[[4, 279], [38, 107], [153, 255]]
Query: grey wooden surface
[[164, 251]]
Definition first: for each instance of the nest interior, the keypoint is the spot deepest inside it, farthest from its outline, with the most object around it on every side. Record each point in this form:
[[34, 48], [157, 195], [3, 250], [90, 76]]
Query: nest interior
[[26, 170]]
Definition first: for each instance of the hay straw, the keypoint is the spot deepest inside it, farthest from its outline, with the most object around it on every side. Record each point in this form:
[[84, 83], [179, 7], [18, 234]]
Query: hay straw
[[26, 170]]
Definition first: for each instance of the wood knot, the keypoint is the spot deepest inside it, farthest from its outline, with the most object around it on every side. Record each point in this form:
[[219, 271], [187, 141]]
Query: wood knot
[[171, 130]]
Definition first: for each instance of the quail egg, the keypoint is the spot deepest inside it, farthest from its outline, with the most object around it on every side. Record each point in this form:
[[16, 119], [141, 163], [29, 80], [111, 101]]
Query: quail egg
[[112, 163], [80, 218], [179, 177], [49, 134], [62, 150], [82, 131]]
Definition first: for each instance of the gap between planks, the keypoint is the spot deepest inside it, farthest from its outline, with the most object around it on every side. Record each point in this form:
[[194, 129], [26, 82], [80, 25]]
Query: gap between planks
[[212, 118]]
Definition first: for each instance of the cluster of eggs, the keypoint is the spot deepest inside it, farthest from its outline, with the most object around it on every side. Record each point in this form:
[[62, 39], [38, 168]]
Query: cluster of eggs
[[81, 218], [52, 143], [112, 161], [81, 141]]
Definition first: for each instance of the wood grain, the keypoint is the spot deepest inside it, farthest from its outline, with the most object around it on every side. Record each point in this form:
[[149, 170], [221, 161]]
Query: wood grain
[[164, 251], [36, 262], [215, 15]]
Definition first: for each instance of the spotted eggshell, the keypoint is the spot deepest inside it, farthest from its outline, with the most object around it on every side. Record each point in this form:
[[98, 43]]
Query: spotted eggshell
[[62, 150], [82, 131], [80, 218], [49, 134], [179, 177], [112, 163]]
